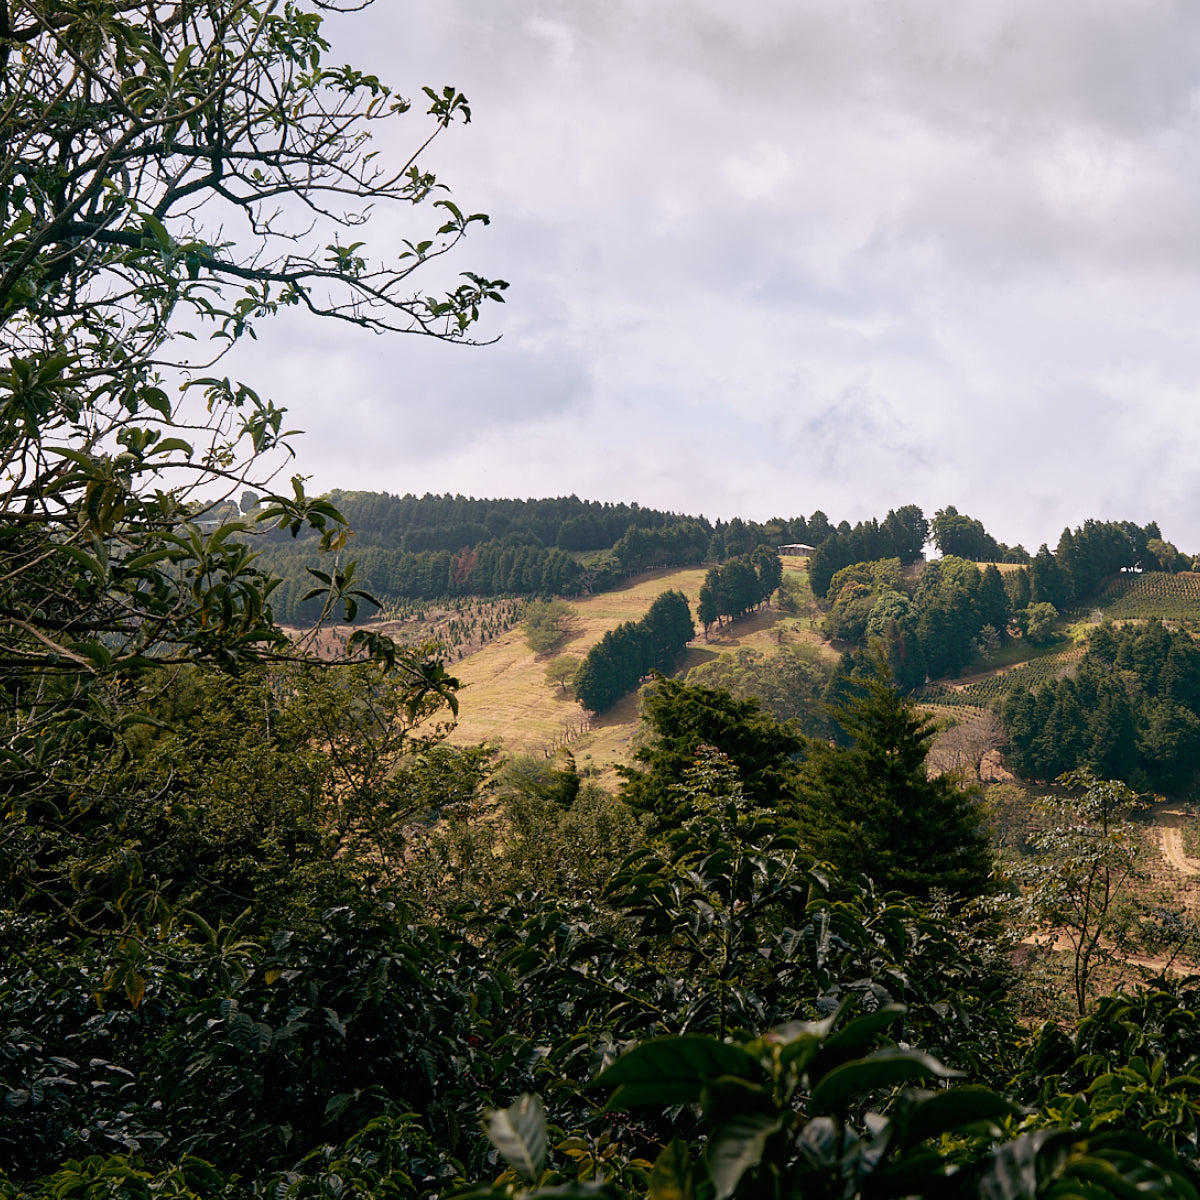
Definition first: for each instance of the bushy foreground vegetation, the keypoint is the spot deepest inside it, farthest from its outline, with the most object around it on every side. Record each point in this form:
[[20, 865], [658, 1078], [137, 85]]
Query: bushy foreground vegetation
[[754, 1018]]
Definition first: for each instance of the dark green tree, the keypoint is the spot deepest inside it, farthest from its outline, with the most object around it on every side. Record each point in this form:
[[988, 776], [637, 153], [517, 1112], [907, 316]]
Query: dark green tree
[[871, 807], [679, 719], [965, 537]]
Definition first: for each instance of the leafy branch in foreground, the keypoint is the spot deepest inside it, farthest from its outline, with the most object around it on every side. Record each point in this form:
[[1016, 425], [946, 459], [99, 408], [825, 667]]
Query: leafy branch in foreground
[[169, 176]]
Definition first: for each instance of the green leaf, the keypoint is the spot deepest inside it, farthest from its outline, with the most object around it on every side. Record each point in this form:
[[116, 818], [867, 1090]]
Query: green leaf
[[672, 1070], [519, 1133], [671, 1178], [736, 1147], [85, 560], [158, 230], [950, 1110], [883, 1069], [855, 1039]]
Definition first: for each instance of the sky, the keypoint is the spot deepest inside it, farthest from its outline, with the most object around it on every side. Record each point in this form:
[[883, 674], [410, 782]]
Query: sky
[[772, 257]]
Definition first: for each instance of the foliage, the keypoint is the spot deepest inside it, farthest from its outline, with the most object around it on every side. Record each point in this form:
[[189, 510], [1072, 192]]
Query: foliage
[[561, 672], [1037, 622], [902, 534], [1073, 885], [629, 653], [271, 791], [964, 537], [130, 145], [788, 1116], [547, 623], [872, 808], [739, 586], [546, 831], [682, 717], [1131, 710], [790, 682], [990, 690], [265, 932], [1130, 1066], [152, 166]]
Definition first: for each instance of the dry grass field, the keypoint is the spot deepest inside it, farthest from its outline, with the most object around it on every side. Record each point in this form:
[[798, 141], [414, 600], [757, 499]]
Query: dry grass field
[[506, 699]]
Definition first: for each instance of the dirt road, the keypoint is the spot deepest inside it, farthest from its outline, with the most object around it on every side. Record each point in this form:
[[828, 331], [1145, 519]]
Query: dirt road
[[1170, 822]]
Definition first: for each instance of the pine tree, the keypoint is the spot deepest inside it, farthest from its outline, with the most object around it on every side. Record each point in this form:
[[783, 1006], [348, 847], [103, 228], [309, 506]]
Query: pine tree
[[872, 807]]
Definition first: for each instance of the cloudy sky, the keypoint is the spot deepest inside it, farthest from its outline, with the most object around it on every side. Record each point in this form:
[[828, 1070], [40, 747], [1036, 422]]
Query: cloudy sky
[[794, 254]]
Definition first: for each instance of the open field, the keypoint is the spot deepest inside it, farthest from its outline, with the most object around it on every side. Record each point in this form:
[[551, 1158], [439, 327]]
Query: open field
[[505, 698]]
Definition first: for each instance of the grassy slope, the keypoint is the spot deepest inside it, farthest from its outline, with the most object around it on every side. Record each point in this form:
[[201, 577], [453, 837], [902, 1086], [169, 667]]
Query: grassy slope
[[506, 699]]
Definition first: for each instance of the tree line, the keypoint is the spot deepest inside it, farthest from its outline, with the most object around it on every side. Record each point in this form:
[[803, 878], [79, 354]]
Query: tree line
[[626, 655], [1129, 711], [441, 547]]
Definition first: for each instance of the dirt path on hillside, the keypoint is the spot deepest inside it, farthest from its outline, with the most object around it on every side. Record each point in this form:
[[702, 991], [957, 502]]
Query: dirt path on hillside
[[1170, 830]]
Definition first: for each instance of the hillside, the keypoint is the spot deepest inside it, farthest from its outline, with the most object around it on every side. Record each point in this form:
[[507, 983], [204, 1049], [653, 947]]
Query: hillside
[[505, 698]]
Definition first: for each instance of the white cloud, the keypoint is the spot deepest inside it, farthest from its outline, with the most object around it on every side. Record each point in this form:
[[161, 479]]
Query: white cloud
[[796, 255]]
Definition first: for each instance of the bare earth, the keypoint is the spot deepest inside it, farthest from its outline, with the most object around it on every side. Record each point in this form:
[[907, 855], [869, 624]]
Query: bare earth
[[1170, 829]]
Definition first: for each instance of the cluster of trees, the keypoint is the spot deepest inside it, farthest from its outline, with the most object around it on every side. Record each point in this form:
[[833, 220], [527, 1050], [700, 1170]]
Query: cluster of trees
[[1086, 556], [956, 534], [930, 630], [792, 683], [678, 544], [1130, 711], [902, 534], [739, 586], [738, 536], [955, 613], [626, 655], [864, 801]]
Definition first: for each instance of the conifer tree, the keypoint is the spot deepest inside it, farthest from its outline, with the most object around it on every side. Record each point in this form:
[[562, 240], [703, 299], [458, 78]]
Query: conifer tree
[[872, 807]]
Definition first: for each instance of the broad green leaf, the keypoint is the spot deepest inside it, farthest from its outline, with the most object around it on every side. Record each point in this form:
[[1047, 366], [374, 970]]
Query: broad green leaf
[[671, 1178], [883, 1069], [950, 1110], [85, 560], [158, 230], [855, 1039], [519, 1133], [672, 1070], [737, 1146]]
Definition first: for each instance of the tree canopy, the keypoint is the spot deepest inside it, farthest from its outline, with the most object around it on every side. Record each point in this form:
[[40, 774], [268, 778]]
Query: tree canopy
[[871, 807], [681, 718], [170, 175]]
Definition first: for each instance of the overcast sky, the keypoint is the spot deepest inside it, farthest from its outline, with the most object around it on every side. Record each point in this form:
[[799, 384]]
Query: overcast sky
[[783, 255]]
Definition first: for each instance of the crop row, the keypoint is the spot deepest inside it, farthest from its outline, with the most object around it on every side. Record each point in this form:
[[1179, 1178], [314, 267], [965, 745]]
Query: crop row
[[1152, 594], [985, 692]]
